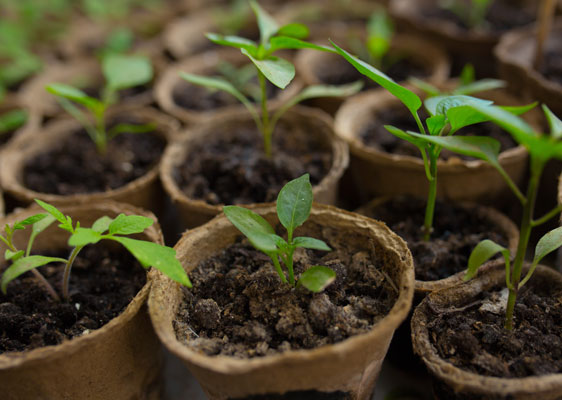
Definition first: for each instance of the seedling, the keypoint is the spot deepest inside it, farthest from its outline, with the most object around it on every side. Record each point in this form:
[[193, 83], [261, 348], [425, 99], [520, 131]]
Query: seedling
[[541, 148], [148, 254], [294, 203], [120, 72], [12, 120], [446, 118], [276, 70], [472, 12]]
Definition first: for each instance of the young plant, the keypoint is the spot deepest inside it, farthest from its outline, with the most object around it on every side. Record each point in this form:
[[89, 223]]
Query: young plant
[[471, 12], [541, 148], [294, 203], [446, 118], [269, 67], [12, 120], [120, 72], [148, 254]]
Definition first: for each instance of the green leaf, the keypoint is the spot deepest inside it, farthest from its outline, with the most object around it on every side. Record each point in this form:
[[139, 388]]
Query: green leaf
[[480, 86], [124, 71], [435, 124], [76, 95], [281, 243], [102, 224], [420, 142], [380, 30], [129, 224], [311, 243], [553, 122], [317, 278], [406, 96], [294, 30], [83, 237], [467, 74], [154, 255], [119, 41], [547, 244], [42, 224], [23, 265], [12, 120], [483, 251], [130, 128], [285, 42], [12, 255], [518, 110], [254, 227], [59, 216], [278, 71], [234, 41], [460, 117], [294, 203], [267, 25], [449, 102], [28, 221]]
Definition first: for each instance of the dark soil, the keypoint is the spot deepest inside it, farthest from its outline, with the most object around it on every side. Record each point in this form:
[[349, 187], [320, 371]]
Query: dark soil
[[239, 307], [552, 64], [474, 339], [456, 232], [236, 171], [75, 166], [502, 16], [375, 134], [103, 282]]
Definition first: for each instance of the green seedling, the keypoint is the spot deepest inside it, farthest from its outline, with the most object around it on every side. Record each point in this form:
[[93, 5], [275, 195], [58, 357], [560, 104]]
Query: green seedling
[[12, 120], [471, 12], [269, 67], [294, 203], [447, 116], [120, 72], [149, 254], [541, 148]]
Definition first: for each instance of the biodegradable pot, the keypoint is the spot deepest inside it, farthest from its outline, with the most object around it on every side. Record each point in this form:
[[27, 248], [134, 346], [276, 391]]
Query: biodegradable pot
[[515, 54], [121, 360], [378, 173], [206, 64], [468, 385], [302, 120], [81, 73], [144, 191], [350, 366], [465, 46]]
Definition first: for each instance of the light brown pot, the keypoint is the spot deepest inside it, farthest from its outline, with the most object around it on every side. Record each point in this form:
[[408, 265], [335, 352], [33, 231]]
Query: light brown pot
[[468, 385], [302, 120], [350, 366], [145, 191], [205, 64], [378, 173], [515, 54], [121, 360]]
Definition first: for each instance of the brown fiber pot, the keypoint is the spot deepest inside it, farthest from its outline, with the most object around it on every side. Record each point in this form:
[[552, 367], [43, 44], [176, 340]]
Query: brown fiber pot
[[468, 385], [302, 120], [121, 360], [516, 53], [145, 191], [205, 64], [378, 173], [350, 366]]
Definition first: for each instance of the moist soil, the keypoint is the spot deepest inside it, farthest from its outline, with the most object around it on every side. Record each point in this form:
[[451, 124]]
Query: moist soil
[[239, 307], [456, 231], [235, 170], [75, 166], [472, 336], [376, 136], [102, 283], [501, 16]]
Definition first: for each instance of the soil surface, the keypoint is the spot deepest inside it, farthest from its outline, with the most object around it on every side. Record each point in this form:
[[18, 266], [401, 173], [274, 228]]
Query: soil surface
[[239, 307], [552, 64], [501, 16], [456, 232], [235, 170], [102, 283], [376, 136], [473, 338], [75, 166]]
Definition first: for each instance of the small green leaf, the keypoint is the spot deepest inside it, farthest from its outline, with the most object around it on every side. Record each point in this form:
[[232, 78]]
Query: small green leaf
[[294, 203], [12, 120], [119, 41], [233, 41], [285, 42], [76, 95], [42, 224], [130, 128], [547, 244], [280, 242], [23, 265], [467, 75], [28, 221], [483, 251], [311, 243], [12, 255], [267, 25], [518, 110], [435, 124], [59, 216], [420, 142], [449, 102], [317, 278], [124, 71], [83, 237], [294, 30], [480, 86], [380, 30], [460, 117], [278, 71], [553, 122], [102, 224], [254, 227], [129, 224]]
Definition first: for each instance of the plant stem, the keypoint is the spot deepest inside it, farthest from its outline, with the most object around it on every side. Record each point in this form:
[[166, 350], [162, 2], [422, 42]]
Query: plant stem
[[266, 128], [67, 268], [431, 196], [524, 235], [101, 135], [290, 266], [546, 13], [278, 268]]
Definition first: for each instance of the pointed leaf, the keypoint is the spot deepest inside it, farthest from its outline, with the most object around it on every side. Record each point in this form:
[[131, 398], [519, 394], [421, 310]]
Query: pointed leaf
[[266, 23], [317, 278], [83, 237], [278, 71], [23, 265], [102, 224], [129, 224], [419, 141], [311, 243], [480, 86], [294, 203], [234, 41], [12, 255], [285, 42], [483, 251], [553, 122], [59, 216], [435, 124], [547, 244], [449, 102], [254, 227], [460, 117], [216, 83], [124, 71], [518, 110], [294, 30], [74, 94], [28, 221]]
